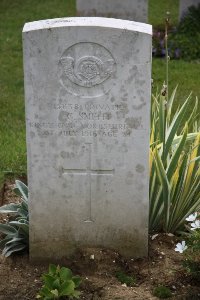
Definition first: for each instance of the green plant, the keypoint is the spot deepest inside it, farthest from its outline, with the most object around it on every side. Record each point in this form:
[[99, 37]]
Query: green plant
[[59, 282], [162, 292], [16, 231], [124, 278], [174, 159], [174, 163], [187, 36]]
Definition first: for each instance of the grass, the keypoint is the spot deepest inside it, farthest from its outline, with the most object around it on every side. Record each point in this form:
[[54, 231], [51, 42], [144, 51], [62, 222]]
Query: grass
[[162, 292], [13, 15], [185, 74], [158, 9]]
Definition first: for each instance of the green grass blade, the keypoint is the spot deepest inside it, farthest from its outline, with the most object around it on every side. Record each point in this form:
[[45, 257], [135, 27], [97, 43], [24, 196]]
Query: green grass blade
[[171, 132], [173, 162], [170, 105], [162, 119], [190, 138], [165, 187], [193, 114]]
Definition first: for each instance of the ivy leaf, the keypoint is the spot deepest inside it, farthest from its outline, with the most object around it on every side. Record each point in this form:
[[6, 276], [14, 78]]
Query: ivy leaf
[[76, 294], [48, 280], [45, 292], [67, 288], [65, 274], [76, 280], [55, 292], [52, 269], [56, 284]]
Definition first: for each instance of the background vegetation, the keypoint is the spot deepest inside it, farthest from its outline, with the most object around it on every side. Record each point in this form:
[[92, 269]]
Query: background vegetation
[[13, 15]]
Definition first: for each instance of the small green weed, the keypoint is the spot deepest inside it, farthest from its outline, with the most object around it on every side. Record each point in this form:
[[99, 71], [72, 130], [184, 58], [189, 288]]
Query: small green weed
[[162, 292], [58, 283], [123, 278]]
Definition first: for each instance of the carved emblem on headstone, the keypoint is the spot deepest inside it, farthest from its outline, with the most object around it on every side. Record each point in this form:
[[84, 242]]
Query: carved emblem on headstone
[[87, 64]]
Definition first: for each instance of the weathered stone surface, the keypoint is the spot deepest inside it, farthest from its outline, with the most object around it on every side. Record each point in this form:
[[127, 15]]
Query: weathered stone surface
[[87, 90], [135, 10], [184, 4]]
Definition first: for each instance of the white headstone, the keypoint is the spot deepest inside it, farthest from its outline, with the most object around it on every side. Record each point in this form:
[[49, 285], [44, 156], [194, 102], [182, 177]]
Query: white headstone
[[184, 4], [87, 90], [136, 10]]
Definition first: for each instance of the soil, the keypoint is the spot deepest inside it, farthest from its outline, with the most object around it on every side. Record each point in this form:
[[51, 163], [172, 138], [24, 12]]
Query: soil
[[21, 280]]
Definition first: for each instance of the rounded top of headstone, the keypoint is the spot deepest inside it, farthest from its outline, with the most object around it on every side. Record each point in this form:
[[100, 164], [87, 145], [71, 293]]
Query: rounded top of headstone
[[89, 22]]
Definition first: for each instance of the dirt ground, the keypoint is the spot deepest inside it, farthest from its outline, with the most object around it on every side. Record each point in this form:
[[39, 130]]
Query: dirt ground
[[21, 280]]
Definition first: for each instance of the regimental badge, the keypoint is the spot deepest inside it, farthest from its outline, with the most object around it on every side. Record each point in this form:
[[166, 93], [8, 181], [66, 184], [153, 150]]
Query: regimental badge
[[87, 71], [87, 65]]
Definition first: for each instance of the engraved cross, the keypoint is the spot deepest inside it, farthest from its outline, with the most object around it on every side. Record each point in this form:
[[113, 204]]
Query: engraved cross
[[89, 171]]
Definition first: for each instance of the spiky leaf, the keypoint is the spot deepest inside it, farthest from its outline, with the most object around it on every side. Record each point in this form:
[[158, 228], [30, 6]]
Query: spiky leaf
[[15, 247], [7, 229], [23, 189], [9, 208]]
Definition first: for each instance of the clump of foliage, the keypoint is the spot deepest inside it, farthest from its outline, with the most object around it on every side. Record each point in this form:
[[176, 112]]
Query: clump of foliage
[[16, 231], [187, 36], [162, 292], [174, 163], [191, 249], [174, 158], [58, 283], [124, 278], [159, 49], [158, 41]]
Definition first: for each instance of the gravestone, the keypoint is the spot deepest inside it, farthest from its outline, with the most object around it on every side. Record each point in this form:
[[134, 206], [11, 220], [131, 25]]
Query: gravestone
[[87, 90], [136, 10], [184, 4]]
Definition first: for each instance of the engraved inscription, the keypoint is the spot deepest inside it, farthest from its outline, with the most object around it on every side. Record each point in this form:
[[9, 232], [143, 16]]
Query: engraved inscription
[[89, 171], [87, 120], [86, 65]]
